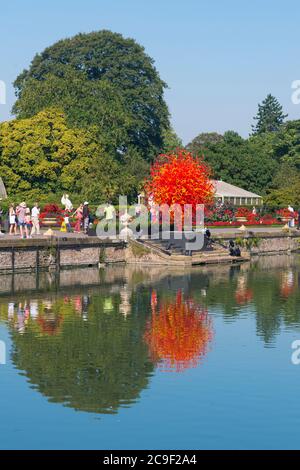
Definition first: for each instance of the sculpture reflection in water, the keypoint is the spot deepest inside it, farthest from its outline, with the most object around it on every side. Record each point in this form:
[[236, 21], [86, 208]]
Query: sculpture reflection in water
[[178, 333]]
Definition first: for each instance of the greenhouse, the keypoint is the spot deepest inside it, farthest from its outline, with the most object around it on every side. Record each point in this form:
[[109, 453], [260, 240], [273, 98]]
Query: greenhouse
[[235, 195]]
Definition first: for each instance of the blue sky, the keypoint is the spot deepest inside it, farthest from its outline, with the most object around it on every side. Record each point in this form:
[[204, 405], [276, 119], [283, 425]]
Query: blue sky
[[219, 57]]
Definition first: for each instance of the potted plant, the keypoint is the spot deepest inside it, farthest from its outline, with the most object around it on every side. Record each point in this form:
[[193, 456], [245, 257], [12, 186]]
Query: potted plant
[[284, 215], [51, 216], [242, 214]]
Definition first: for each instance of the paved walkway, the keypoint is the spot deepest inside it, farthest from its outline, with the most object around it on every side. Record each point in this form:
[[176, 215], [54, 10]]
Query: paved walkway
[[56, 233], [214, 231]]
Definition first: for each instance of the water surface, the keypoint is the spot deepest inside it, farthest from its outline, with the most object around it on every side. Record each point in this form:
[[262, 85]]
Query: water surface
[[152, 358]]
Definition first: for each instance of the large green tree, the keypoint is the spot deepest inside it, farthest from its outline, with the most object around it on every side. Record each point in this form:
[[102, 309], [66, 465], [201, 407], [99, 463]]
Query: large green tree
[[99, 79], [270, 116]]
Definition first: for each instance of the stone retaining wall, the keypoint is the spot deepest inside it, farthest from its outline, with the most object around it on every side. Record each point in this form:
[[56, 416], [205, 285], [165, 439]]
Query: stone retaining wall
[[55, 254], [267, 243]]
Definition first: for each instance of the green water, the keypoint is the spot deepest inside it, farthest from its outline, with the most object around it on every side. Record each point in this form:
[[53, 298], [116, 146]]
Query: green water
[[152, 358]]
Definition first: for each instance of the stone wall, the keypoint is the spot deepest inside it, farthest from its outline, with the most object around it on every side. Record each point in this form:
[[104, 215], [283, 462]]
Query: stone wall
[[5, 260], [31, 255], [52, 255], [276, 245], [113, 255], [80, 256], [267, 243]]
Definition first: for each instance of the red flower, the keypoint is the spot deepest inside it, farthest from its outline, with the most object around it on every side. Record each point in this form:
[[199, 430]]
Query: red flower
[[243, 212]]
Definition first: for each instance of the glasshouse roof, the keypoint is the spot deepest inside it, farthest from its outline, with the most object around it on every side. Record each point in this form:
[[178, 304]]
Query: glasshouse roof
[[229, 190]]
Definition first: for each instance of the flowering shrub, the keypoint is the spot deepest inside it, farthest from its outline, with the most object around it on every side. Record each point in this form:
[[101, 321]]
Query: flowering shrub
[[285, 213], [244, 212], [51, 209], [215, 213], [226, 215]]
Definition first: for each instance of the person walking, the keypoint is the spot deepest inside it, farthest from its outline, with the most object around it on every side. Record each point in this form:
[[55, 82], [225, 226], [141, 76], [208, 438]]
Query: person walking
[[35, 219], [12, 220], [78, 215], [86, 217], [22, 219]]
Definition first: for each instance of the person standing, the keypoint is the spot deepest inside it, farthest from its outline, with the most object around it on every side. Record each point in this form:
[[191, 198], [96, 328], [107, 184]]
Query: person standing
[[292, 220], [298, 219], [86, 217], [67, 222], [22, 219], [35, 219], [78, 215], [17, 212], [12, 220], [109, 212], [28, 222]]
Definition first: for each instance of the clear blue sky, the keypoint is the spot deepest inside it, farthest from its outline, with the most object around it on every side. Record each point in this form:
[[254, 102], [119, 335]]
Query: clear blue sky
[[219, 57]]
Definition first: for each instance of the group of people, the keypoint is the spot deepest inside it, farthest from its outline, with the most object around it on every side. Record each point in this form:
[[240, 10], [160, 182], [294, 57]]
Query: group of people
[[25, 221], [22, 220]]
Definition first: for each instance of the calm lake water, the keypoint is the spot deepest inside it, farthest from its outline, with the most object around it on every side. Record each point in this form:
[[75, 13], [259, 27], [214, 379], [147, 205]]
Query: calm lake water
[[152, 358]]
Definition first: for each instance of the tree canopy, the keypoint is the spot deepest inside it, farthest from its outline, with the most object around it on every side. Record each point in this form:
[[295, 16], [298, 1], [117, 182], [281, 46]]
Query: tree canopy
[[243, 162], [40, 156], [270, 116], [99, 79]]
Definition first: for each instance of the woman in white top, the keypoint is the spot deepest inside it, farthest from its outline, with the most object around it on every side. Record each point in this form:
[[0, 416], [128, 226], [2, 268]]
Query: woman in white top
[[12, 220]]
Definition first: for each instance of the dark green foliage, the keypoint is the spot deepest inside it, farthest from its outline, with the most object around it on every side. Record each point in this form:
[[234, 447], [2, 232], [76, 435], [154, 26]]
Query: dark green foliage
[[270, 116], [267, 163], [99, 79], [171, 141], [236, 160]]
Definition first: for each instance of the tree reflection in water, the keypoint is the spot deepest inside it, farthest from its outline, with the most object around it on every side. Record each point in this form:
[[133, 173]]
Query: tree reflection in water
[[178, 333], [77, 351]]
